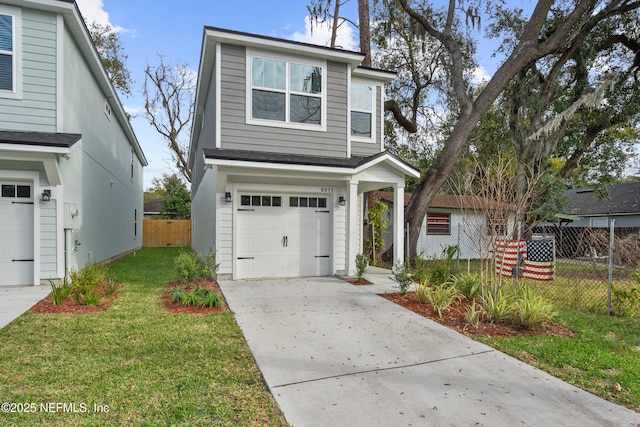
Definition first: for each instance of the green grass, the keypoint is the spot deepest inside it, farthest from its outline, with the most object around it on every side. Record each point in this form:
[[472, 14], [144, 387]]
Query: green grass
[[605, 353], [149, 367]]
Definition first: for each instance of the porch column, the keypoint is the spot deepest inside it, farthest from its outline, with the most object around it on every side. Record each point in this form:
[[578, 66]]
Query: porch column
[[398, 224], [352, 228]]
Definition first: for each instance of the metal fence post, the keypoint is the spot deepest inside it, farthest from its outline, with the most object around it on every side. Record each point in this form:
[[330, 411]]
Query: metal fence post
[[611, 236]]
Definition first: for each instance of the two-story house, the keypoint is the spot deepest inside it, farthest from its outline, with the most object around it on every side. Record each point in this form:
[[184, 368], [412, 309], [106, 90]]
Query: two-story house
[[71, 187], [286, 139]]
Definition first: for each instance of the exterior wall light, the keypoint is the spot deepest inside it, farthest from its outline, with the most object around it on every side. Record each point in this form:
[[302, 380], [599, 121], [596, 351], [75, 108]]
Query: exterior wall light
[[46, 195], [341, 201], [227, 197]]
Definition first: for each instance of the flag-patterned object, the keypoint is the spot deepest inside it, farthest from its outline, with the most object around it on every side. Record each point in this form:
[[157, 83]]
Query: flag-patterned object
[[507, 257], [540, 261]]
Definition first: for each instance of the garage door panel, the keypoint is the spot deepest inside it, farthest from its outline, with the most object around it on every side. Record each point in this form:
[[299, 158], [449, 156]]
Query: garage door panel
[[16, 241], [283, 241]]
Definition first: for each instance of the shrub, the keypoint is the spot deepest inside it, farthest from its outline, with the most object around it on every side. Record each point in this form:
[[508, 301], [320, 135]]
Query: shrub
[[497, 307], [469, 285], [532, 311], [442, 297], [60, 293], [472, 315], [189, 266], [84, 283], [402, 276], [422, 290], [362, 262], [421, 268], [198, 296]]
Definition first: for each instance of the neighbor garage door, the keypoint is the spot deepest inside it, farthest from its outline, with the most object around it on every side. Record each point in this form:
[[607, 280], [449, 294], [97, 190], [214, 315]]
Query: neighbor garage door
[[16, 234], [283, 236]]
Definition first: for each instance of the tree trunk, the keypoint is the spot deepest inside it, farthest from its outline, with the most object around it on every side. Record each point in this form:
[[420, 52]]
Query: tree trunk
[[365, 31], [334, 24]]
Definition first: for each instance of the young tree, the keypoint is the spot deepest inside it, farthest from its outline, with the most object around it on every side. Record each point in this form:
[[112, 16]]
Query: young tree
[[169, 103], [176, 201], [112, 54]]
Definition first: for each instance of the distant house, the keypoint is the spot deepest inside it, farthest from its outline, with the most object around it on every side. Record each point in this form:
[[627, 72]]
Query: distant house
[[286, 139], [621, 205], [461, 221], [70, 163], [153, 209]]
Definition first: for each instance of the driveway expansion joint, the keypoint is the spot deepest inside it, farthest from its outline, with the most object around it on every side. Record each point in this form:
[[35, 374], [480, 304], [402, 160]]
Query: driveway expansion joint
[[390, 368]]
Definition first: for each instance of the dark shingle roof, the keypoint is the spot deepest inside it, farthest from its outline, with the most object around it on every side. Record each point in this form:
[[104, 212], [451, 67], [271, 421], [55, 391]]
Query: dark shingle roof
[[43, 139], [623, 198], [290, 159]]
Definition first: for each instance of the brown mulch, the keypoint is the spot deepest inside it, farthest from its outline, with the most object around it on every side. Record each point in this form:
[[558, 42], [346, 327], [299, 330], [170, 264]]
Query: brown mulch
[[363, 282], [454, 318], [69, 306], [179, 308]]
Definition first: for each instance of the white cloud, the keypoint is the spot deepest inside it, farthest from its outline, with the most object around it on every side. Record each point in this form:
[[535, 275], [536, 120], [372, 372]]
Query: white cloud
[[321, 35], [480, 76], [93, 11]]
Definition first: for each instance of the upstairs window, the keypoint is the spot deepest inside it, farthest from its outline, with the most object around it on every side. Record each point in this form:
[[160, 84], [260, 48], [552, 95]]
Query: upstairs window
[[286, 92], [7, 53], [361, 110]]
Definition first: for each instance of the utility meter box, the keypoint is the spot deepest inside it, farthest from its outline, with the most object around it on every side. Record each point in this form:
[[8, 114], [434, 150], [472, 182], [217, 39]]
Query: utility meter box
[[71, 216]]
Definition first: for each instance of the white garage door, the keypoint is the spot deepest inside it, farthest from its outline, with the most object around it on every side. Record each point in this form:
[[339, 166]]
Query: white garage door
[[16, 234], [283, 236]]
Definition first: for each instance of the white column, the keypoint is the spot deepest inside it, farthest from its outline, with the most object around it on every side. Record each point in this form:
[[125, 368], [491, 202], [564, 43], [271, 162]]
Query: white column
[[398, 224], [352, 228]]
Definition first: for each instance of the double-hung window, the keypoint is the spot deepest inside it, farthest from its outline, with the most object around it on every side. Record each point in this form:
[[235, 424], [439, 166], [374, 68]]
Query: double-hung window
[[286, 92], [361, 110], [9, 54]]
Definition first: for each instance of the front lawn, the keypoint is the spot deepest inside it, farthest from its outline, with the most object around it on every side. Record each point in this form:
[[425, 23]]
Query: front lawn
[[133, 364], [604, 358]]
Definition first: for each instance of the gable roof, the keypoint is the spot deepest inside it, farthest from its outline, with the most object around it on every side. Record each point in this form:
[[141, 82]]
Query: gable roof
[[623, 199], [442, 201], [78, 30], [213, 36]]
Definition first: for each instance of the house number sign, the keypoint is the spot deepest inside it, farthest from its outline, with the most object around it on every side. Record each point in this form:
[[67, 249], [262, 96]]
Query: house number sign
[[327, 189]]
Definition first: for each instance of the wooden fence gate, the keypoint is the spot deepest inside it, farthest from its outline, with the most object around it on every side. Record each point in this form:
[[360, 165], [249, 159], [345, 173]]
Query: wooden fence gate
[[166, 233]]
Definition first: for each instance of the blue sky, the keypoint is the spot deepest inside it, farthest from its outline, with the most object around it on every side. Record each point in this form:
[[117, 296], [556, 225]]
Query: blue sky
[[175, 30]]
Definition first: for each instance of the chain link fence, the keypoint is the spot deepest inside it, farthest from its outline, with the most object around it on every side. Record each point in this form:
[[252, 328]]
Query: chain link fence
[[579, 268]]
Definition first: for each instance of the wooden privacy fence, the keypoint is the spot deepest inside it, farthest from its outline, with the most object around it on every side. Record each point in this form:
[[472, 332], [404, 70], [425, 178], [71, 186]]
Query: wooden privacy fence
[[166, 233]]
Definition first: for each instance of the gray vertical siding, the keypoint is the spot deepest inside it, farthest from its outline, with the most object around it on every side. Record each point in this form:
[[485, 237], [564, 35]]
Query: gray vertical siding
[[207, 136], [36, 111], [48, 240], [237, 134]]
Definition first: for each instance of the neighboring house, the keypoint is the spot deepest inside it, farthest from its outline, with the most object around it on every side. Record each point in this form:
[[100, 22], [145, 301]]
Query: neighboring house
[[70, 164], [153, 209], [286, 138], [622, 205], [455, 221]]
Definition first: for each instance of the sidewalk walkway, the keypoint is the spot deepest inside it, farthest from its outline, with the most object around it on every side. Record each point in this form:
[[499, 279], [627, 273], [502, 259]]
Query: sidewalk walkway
[[15, 300]]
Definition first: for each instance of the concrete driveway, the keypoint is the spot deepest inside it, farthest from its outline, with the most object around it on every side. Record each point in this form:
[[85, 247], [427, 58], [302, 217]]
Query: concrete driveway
[[15, 300], [336, 354]]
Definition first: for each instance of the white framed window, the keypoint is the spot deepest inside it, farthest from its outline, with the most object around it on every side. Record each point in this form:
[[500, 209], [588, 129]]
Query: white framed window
[[286, 92], [10, 58], [362, 117]]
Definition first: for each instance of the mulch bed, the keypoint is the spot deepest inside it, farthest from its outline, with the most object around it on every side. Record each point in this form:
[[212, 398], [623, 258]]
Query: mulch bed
[[363, 282], [190, 309], [69, 306], [454, 318]]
